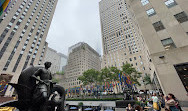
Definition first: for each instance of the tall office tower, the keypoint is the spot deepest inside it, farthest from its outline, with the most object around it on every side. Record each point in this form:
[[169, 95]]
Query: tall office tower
[[164, 25], [53, 57], [58, 60], [81, 58], [63, 62], [22, 36], [121, 37]]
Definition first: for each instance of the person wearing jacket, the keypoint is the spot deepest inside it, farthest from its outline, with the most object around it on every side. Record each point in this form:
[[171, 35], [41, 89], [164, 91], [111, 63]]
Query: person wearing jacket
[[171, 103]]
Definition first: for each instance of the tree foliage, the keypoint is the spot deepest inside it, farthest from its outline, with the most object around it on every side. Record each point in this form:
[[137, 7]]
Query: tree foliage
[[89, 77], [105, 75], [80, 104], [147, 79], [109, 74], [56, 80], [60, 73], [132, 73]]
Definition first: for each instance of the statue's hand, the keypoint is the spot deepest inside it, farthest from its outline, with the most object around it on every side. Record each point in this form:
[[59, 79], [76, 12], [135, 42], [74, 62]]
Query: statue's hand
[[43, 82], [52, 82]]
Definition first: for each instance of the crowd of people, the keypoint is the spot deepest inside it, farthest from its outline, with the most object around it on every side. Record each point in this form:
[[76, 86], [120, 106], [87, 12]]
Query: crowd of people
[[156, 103]]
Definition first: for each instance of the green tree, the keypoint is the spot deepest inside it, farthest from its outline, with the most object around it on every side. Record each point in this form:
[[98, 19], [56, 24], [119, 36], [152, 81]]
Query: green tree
[[105, 75], [56, 80], [115, 73], [80, 104], [132, 73], [147, 79], [89, 77], [61, 72]]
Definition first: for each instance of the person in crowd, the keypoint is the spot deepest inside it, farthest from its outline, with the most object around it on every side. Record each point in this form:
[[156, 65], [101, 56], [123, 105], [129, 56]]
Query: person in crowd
[[171, 103], [138, 98], [138, 108], [155, 102], [177, 104], [162, 100], [129, 108], [142, 103], [150, 106]]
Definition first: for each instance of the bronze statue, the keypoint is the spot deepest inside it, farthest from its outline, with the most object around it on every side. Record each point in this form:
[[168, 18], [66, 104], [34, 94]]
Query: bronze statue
[[37, 94]]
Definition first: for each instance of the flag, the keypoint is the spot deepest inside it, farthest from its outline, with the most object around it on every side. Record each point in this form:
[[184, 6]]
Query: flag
[[11, 88], [125, 80], [5, 87], [120, 78], [1, 2], [108, 85], [3, 5], [7, 6], [1, 10]]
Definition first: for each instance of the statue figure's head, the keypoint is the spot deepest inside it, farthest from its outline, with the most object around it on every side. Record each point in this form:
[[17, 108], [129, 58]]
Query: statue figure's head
[[47, 65]]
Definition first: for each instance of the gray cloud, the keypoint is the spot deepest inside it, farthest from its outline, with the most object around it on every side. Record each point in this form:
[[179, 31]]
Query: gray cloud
[[75, 21]]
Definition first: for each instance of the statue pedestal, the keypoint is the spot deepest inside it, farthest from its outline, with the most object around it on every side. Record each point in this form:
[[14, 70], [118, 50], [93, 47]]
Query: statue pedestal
[[124, 103]]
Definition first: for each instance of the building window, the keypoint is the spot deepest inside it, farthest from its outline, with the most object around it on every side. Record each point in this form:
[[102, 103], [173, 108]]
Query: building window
[[130, 59], [168, 44], [134, 58], [158, 26], [170, 3], [144, 2], [17, 62], [181, 17], [150, 12]]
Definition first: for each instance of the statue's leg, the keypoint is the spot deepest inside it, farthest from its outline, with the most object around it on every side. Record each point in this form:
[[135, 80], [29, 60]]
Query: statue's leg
[[44, 107], [61, 90], [44, 92]]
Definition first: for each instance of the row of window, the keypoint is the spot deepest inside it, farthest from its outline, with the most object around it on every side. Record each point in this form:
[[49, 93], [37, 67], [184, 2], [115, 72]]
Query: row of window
[[168, 3], [181, 17], [28, 38], [39, 41], [42, 54], [13, 32], [11, 22], [37, 34], [9, 8]]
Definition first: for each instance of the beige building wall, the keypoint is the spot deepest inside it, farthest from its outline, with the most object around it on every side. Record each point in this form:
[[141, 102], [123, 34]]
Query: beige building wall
[[81, 58], [53, 57], [165, 53], [22, 36], [121, 39]]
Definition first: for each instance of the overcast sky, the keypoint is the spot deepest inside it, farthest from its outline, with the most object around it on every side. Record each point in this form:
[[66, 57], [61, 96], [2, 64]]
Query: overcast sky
[[75, 21]]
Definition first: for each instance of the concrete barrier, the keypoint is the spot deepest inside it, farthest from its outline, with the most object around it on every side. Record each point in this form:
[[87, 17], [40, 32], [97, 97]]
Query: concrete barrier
[[93, 103]]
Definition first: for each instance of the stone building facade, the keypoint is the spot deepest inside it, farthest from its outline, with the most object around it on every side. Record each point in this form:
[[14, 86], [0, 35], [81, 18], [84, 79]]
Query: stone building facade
[[164, 27], [58, 60], [81, 58], [121, 38], [24, 28]]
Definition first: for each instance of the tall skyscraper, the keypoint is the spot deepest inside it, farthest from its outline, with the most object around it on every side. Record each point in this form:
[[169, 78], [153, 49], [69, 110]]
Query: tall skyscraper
[[63, 62], [81, 58], [121, 38], [53, 57], [24, 28], [58, 60], [164, 26]]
